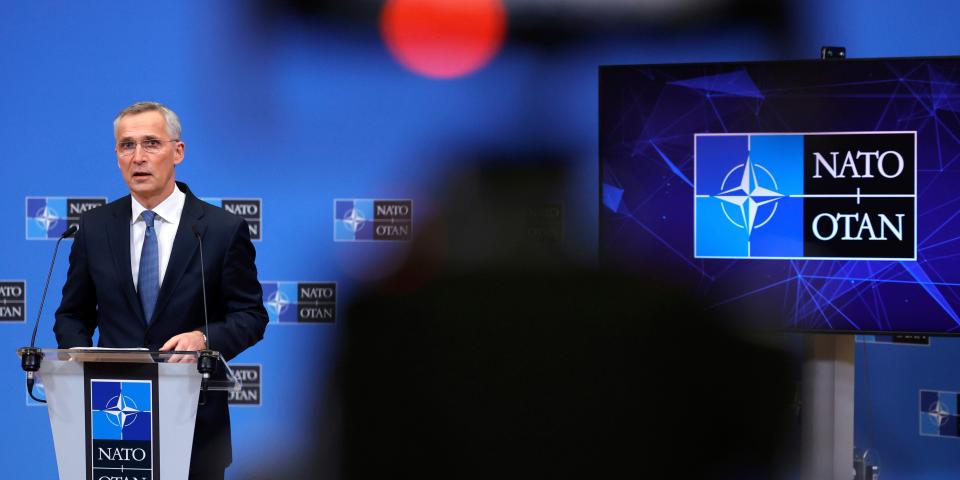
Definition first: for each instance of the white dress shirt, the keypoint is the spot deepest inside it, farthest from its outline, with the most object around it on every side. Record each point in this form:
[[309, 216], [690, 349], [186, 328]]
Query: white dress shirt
[[165, 224]]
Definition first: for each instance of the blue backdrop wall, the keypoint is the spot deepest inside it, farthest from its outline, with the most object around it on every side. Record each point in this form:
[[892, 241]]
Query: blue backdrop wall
[[300, 113]]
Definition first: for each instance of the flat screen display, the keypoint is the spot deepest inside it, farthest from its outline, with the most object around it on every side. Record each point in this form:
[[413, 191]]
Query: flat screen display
[[809, 195]]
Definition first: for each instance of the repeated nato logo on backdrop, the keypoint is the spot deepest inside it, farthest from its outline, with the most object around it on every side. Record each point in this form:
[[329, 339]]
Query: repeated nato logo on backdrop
[[805, 196], [121, 427], [251, 209], [49, 217], [365, 220], [300, 302], [938, 414], [13, 300], [250, 378]]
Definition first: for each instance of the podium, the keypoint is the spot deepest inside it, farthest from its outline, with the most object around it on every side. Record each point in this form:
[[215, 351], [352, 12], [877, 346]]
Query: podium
[[124, 414]]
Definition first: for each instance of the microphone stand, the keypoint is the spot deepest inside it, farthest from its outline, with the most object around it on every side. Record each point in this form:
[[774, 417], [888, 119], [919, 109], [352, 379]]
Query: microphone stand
[[207, 362], [31, 357]]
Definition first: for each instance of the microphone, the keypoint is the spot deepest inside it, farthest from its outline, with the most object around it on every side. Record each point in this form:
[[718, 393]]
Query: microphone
[[203, 284], [206, 363], [30, 357]]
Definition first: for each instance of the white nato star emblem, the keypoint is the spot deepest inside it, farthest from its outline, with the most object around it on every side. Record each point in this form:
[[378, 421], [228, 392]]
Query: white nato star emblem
[[939, 413], [278, 302], [46, 217], [121, 411], [354, 219], [749, 195]]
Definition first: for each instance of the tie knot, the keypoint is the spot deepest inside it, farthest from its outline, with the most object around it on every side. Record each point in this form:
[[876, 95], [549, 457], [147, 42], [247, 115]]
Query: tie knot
[[148, 217]]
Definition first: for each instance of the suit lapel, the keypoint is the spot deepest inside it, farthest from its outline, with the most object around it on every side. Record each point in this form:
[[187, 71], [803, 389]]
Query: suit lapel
[[184, 249], [118, 238]]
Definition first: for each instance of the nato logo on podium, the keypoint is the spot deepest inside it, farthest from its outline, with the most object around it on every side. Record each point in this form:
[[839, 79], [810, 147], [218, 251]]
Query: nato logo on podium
[[121, 427]]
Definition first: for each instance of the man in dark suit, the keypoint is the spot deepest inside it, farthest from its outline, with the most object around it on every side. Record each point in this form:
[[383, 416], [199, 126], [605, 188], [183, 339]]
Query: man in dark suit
[[135, 271]]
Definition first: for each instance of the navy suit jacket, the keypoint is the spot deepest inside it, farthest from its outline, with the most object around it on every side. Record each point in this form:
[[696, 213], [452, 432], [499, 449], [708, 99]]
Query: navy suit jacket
[[99, 293]]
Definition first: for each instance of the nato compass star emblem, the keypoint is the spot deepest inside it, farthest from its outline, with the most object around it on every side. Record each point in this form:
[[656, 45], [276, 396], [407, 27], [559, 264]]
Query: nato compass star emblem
[[939, 413], [46, 217], [354, 219], [278, 302], [121, 411], [745, 192]]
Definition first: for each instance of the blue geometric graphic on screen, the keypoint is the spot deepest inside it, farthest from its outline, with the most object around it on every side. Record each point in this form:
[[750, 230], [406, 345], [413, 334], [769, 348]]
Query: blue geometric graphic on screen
[[353, 220], [671, 164], [736, 83], [46, 217], [945, 94], [923, 279], [612, 196], [216, 202], [280, 300], [120, 410]]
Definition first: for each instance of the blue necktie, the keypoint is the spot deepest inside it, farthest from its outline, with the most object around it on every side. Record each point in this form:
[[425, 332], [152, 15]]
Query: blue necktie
[[148, 280]]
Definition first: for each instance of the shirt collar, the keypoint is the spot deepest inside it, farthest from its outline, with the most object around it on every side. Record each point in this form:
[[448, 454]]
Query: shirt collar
[[168, 211]]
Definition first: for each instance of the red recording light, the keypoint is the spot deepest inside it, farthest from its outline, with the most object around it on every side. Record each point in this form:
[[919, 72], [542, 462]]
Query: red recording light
[[443, 38]]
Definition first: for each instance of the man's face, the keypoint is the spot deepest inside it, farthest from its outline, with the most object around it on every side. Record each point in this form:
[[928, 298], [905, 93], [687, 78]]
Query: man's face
[[150, 176]]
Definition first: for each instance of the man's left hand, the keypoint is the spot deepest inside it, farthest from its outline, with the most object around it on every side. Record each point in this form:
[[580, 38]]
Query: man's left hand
[[185, 342]]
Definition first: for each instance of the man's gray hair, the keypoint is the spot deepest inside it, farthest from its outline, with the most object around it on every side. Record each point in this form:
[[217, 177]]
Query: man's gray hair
[[173, 122]]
